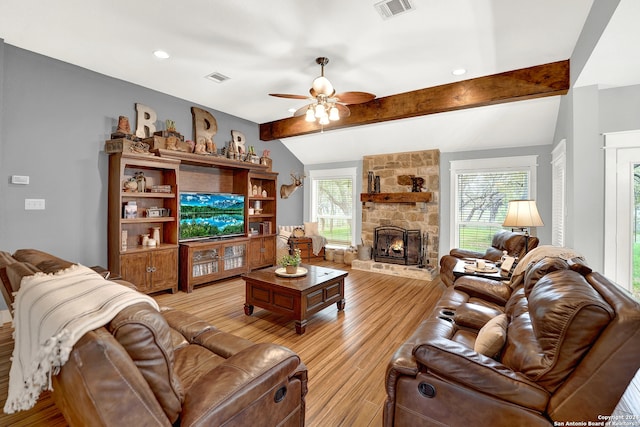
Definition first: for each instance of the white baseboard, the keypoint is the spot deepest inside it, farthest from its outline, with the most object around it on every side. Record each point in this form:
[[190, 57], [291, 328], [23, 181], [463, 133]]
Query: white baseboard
[[5, 316]]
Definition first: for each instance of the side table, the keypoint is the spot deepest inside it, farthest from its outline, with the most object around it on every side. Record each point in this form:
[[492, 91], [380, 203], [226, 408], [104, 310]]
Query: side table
[[305, 244], [459, 271]]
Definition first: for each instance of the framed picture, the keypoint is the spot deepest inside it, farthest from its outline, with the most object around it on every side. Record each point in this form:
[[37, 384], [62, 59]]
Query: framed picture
[[154, 213], [130, 210]]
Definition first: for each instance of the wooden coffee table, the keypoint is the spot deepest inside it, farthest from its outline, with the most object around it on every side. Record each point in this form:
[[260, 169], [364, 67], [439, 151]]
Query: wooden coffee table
[[297, 297]]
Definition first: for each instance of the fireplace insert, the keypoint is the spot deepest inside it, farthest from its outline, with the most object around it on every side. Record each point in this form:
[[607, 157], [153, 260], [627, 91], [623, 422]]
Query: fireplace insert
[[397, 245]]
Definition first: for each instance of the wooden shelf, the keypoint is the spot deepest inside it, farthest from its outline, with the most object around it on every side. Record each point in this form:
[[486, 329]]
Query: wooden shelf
[[150, 268], [140, 248], [213, 161], [145, 220], [148, 195], [407, 197]]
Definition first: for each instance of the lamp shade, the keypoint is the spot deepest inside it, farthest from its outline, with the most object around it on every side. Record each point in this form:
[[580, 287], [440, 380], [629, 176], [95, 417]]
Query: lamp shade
[[522, 213]]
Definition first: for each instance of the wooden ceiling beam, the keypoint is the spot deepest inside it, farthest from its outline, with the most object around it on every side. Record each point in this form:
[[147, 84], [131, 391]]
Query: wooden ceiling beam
[[527, 83]]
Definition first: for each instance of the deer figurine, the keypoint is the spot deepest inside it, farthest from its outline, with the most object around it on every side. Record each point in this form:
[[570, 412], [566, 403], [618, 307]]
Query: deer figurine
[[288, 189]]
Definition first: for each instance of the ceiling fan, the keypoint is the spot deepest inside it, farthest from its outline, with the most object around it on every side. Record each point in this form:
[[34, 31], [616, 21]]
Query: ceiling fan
[[326, 105]]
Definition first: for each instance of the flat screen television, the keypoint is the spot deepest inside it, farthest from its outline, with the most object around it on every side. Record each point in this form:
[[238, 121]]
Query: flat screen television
[[211, 215]]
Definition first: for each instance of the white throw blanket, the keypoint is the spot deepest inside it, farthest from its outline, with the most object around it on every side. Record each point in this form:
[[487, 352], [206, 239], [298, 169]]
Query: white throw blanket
[[51, 312], [317, 243]]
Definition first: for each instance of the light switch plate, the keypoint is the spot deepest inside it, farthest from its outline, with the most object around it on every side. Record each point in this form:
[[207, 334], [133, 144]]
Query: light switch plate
[[20, 179]]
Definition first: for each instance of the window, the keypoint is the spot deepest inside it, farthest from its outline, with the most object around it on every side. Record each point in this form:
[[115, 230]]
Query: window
[[333, 204], [559, 172], [481, 191]]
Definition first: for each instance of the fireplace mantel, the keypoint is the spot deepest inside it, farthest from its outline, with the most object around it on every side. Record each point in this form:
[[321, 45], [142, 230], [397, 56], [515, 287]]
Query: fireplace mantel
[[406, 197]]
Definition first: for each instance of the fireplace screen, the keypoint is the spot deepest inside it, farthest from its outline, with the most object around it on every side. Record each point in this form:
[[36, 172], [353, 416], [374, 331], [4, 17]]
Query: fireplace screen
[[397, 246]]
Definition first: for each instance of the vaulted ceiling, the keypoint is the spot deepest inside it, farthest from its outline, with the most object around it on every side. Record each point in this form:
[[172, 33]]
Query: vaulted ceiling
[[270, 47]]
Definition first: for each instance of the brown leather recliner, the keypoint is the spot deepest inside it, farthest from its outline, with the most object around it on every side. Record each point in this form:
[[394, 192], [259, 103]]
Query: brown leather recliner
[[503, 240], [150, 368], [570, 348]]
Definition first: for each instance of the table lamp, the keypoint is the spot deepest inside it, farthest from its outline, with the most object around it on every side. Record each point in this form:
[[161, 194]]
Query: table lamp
[[523, 214]]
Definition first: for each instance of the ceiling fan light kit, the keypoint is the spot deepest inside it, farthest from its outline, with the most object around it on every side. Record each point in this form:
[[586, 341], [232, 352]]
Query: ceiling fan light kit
[[326, 106]]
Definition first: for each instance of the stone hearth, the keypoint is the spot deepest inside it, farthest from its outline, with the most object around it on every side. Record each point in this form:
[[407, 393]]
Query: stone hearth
[[408, 271]]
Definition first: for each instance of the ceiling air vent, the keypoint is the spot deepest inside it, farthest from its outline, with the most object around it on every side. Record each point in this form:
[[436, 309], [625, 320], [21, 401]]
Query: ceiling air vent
[[390, 8], [217, 77]]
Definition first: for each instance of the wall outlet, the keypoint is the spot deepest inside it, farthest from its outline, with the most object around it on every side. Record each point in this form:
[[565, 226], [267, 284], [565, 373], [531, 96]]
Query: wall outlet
[[33, 204]]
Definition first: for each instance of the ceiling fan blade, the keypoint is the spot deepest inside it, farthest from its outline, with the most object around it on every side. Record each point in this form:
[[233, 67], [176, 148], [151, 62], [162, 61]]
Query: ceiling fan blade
[[343, 110], [301, 111], [286, 95], [355, 97]]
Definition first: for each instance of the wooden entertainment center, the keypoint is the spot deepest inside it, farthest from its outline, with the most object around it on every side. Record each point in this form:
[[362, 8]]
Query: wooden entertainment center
[[166, 173]]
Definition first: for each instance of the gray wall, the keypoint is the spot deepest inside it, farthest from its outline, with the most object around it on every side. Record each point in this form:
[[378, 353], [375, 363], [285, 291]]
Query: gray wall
[[290, 209], [54, 120], [543, 188], [618, 109], [585, 114]]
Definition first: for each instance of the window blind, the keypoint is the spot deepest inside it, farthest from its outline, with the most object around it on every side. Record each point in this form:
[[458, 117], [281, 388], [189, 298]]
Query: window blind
[[333, 209], [558, 188], [483, 199]]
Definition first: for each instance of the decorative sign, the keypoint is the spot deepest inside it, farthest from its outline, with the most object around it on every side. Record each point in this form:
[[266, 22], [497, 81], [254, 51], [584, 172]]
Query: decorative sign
[[239, 141], [205, 126], [146, 121]]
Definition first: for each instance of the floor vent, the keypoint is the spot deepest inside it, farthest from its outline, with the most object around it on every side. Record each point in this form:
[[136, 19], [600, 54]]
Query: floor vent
[[217, 77], [390, 8]]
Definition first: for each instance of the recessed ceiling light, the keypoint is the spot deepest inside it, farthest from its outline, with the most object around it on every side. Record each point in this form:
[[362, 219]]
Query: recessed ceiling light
[[459, 72], [161, 54], [292, 110]]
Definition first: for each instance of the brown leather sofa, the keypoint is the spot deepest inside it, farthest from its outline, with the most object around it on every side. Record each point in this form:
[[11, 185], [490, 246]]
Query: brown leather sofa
[[150, 368], [566, 350], [503, 240]]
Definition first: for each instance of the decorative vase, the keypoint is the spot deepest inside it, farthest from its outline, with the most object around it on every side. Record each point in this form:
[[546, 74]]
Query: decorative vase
[[291, 269], [130, 186], [155, 233], [364, 252]]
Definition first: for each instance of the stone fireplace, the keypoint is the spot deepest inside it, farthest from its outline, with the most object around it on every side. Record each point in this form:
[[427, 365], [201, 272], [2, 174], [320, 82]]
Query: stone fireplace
[[397, 246], [395, 207]]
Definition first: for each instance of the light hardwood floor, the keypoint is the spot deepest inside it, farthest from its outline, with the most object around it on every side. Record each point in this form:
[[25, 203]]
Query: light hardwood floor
[[346, 352]]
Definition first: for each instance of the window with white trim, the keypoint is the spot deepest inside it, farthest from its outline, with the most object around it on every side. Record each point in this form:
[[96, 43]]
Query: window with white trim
[[333, 204], [558, 188], [481, 191]]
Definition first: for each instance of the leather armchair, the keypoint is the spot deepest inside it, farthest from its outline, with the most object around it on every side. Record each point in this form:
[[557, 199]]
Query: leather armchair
[[570, 349], [503, 240], [172, 368], [168, 368]]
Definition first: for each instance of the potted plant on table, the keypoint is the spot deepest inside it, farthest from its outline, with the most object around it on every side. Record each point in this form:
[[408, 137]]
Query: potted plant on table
[[291, 261]]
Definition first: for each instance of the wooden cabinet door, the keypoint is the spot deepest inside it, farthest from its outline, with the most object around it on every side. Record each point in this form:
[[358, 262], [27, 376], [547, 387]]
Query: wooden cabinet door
[[133, 268], [255, 252], [164, 267], [262, 252], [269, 253]]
